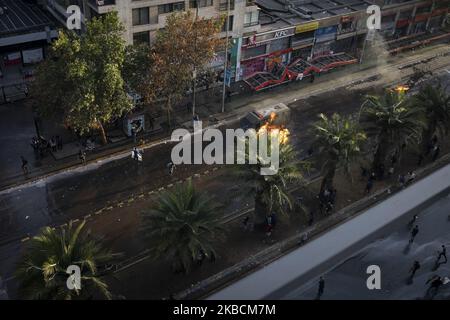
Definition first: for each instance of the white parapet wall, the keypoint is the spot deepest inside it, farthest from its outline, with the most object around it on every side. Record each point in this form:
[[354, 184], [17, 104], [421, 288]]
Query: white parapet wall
[[320, 254]]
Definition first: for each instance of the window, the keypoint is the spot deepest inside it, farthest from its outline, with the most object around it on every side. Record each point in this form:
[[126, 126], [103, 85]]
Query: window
[[141, 37], [230, 24], [224, 4], [170, 7], [140, 16], [200, 3], [251, 18]]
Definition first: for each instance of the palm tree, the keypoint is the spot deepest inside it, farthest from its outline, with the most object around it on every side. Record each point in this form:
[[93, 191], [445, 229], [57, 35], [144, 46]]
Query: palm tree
[[42, 272], [436, 103], [271, 191], [183, 226], [393, 121], [339, 141]]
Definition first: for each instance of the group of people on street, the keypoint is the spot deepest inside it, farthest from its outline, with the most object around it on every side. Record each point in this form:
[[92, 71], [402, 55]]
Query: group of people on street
[[435, 281]]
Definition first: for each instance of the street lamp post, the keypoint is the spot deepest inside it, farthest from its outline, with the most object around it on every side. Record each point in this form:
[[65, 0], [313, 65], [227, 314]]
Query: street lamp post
[[194, 73], [225, 66]]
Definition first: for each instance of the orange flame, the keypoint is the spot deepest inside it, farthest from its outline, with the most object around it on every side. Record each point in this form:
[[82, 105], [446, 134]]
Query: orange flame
[[401, 88], [272, 129]]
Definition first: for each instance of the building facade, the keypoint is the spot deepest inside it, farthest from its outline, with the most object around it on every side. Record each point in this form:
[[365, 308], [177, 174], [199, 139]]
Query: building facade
[[306, 29], [264, 32]]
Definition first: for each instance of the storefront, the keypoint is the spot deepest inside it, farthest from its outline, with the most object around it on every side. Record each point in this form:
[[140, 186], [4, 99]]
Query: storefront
[[303, 40], [260, 51], [324, 39]]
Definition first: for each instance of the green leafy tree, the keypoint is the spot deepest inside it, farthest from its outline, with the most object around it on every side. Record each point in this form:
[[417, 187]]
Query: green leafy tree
[[187, 43], [436, 104], [339, 141], [184, 224], [42, 270], [82, 81], [271, 192], [392, 121]]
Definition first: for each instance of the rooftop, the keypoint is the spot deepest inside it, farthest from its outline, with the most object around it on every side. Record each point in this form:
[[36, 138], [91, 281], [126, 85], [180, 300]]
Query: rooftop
[[294, 12], [21, 16]]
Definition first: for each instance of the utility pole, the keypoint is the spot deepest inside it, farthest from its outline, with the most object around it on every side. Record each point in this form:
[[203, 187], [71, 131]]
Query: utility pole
[[194, 75], [225, 66]]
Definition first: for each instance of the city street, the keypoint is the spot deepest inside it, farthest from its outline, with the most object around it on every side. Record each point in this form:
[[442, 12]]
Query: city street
[[395, 258], [81, 193]]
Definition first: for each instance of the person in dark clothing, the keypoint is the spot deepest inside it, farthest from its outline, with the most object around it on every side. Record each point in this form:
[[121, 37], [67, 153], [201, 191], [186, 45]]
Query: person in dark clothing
[[414, 233], [53, 144], [436, 152], [59, 142], [369, 186], [82, 156], [245, 222], [442, 253], [435, 283], [321, 288], [364, 172], [24, 165], [312, 77], [420, 160], [414, 268], [394, 159], [311, 218]]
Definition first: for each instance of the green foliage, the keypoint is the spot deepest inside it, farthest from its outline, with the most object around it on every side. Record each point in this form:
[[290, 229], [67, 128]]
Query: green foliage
[[184, 223], [271, 191], [436, 104], [339, 141], [392, 121], [82, 81], [42, 270]]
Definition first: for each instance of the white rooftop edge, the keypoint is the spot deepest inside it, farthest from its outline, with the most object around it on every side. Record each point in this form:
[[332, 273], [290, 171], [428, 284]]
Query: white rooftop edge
[[287, 269]]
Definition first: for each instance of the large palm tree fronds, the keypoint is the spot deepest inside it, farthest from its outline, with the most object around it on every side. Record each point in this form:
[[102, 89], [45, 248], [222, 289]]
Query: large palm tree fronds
[[42, 272], [184, 224], [338, 139], [436, 104], [272, 190], [392, 116]]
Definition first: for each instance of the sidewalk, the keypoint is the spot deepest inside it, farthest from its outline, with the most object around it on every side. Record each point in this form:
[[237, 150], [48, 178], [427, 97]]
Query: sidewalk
[[17, 126]]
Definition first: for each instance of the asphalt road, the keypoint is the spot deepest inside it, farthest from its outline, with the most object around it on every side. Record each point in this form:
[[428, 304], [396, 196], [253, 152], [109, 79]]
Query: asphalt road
[[23, 211], [395, 256]]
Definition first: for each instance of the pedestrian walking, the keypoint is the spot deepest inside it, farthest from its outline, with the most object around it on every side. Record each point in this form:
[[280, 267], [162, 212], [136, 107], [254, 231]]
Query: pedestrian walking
[[369, 186], [414, 233], [82, 156], [312, 77], [245, 222], [321, 288], [414, 268], [410, 177], [401, 180], [391, 171], [436, 151], [435, 283], [53, 144], [442, 253], [311, 218], [171, 167], [412, 221], [24, 165], [394, 159]]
